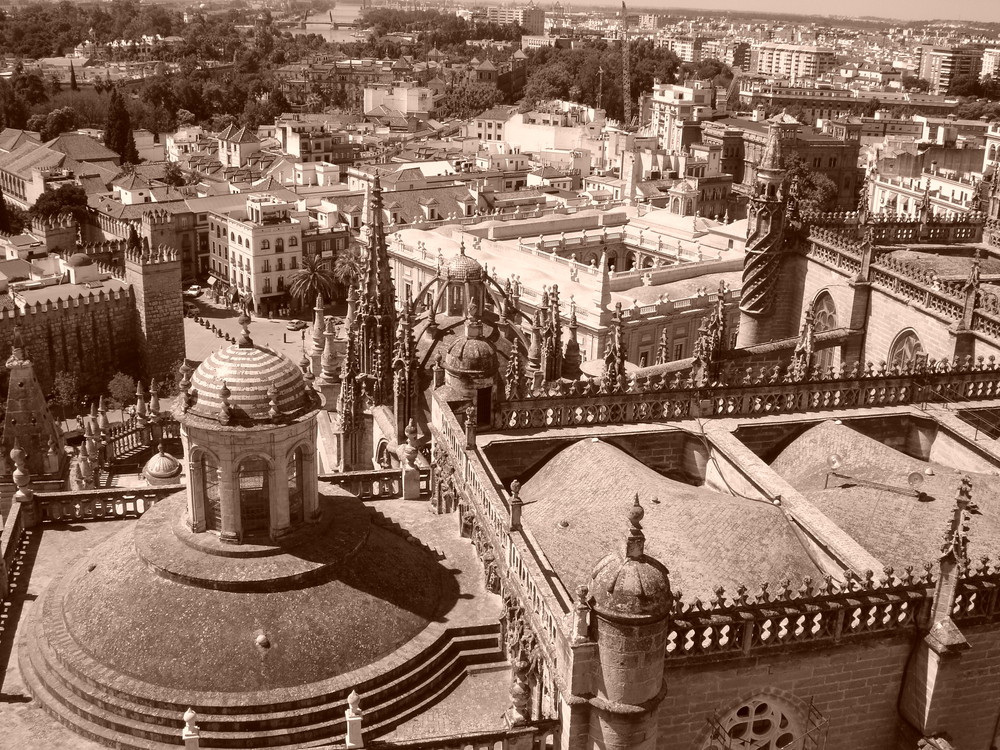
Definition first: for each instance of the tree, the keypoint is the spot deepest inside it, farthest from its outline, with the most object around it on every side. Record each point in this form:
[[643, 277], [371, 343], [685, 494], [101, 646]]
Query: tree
[[965, 86], [58, 121], [348, 266], [121, 388], [118, 130], [314, 278], [68, 198], [469, 99], [66, 392], [72, 78], [173, 175], [184, 118], [912, 83], [815, 191]]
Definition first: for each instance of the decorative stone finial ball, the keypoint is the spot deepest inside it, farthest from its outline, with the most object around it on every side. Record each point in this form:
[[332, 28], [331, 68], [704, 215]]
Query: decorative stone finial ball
[[262, 641], [636, 513]]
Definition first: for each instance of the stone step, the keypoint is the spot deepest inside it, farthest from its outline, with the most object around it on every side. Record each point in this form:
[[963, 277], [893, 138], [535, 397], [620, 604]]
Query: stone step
[[109, 715], [136, 727]]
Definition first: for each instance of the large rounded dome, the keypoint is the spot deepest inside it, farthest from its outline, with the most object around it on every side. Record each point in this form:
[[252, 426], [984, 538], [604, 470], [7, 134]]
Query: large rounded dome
[[471, 356], [76, 260], [248, 373]]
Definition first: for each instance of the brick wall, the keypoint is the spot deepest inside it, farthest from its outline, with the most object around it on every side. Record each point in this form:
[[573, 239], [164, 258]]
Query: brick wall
[[855, 687]]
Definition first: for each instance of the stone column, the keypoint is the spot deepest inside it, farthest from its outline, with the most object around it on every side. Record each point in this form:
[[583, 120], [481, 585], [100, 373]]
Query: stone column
[[196, 497], [278, 497], [229, 500], [310, 486]]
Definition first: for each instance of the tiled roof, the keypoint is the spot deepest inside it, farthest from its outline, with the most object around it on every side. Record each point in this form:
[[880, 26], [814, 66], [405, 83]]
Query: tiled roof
[[29, 156], [497, 113], [81, 148], [11, 138], [580, 497], [898, 529]]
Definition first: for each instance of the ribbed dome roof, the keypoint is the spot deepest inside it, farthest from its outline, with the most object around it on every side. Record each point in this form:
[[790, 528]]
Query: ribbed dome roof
[[162, 466], [463, 268], [79, 259], [626, 587], [471, 356], [248, 372]]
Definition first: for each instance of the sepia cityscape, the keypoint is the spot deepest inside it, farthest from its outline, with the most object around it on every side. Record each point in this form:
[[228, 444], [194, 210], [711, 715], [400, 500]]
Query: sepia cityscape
[[544, 375]]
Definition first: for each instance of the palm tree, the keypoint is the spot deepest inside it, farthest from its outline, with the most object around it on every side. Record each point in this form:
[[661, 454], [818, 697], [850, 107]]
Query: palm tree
[[348, 267], [314, 278]]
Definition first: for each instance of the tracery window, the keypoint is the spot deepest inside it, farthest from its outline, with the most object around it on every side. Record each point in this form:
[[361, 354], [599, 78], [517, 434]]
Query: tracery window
[[824, 319], [761, 723], [905, 349]]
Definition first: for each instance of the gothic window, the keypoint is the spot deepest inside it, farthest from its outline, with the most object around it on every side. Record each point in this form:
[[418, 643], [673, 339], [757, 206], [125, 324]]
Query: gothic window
[[905, 349], [824, 313], [763, 723], [824, 319]]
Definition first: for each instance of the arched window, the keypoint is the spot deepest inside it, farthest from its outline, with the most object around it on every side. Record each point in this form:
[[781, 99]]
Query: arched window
[[763, 723], [279, 245], [210, 489], [824, 313], [255, 506], [824, 319], [293, 241], [265, 245], [905, 350], [295, 481]]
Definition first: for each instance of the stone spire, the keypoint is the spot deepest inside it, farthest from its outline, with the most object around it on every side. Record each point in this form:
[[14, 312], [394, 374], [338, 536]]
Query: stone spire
[[571, 357], [762, 265], [406, 373], [318, 328], [28, 421], [613, 377], [374, 316], [348, 403], [514, 376]]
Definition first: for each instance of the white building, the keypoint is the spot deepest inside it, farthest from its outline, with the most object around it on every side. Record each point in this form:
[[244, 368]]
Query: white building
[[794, 61], [406, 97], [676, 105]]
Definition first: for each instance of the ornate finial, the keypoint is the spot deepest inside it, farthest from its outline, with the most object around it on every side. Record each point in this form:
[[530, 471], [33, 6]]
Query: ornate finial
[[272, 394], [515, 491], [956, 542], [17, 354], [225, 413], [160, 448], [634, 547], [244, 321], [461, 247], [411, 431]]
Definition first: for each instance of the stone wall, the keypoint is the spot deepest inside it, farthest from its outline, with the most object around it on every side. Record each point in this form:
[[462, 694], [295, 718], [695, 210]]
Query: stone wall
[[156, 280], [92, 336]]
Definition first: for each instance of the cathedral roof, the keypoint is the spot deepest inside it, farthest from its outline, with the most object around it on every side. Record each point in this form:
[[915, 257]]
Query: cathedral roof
[[899, 530], [706, 539]]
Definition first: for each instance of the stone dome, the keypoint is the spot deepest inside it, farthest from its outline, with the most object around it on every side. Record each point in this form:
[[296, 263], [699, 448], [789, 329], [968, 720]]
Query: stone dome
[[471, 356], [633, 585], [79, 259], [251, 375], [463, 268], [161, 466]]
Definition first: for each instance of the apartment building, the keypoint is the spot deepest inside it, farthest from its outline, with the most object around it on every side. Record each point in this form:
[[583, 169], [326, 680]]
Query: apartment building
[[678, 110], [794, 61], [942, 65]]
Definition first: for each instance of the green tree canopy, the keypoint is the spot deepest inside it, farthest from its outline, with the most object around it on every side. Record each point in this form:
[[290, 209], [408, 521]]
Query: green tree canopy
[[312, 279], [68, 198], [118, 129]]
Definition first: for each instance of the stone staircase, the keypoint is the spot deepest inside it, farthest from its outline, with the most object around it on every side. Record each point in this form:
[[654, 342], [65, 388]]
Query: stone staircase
[[98, 704]]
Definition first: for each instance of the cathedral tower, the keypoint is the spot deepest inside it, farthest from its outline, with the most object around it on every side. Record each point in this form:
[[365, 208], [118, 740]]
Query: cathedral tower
[[765, 235]]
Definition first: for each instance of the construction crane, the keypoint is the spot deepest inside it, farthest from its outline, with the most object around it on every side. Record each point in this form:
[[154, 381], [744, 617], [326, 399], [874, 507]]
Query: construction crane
[[626, 69]]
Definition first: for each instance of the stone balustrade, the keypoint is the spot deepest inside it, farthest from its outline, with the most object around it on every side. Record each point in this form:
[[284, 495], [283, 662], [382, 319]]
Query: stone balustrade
[[377, 484], [538, 735], [101, 504]]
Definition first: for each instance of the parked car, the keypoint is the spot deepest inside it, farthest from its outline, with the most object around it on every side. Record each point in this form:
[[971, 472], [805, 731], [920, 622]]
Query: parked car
[[296, 325], [193, 291], [190, 310]]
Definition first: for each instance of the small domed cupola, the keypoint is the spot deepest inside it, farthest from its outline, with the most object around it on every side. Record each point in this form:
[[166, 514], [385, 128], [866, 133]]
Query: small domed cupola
[[633, 586], [162, 468]]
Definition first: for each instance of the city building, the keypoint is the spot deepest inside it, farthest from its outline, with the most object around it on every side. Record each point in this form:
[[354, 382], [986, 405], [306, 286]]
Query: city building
[[678, 110], [939, 66], [793, 62], [529, 17]]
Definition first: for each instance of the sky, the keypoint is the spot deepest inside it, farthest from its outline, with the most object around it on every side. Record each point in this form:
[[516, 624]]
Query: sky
[[974, 10]]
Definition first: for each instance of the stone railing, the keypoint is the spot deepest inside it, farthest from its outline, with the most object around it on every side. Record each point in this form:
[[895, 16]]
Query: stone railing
[[98, 505], [537, 735], [521, 563], [376, 484], [830, 613], [10, 543], [671, 397]]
